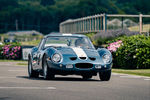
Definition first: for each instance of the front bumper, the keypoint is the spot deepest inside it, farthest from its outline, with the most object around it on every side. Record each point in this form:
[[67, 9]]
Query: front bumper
[[68, 69]]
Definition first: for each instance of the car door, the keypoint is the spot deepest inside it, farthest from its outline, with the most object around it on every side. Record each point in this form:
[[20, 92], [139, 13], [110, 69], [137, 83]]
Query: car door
[[36, 55], [39, 54]]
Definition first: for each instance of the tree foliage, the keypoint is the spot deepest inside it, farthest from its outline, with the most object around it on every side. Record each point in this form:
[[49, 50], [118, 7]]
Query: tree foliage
[[45, 15], [47, 2]]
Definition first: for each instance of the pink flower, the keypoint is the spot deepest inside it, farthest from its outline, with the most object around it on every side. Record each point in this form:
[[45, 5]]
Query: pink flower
[[114, 46], [19, 48]]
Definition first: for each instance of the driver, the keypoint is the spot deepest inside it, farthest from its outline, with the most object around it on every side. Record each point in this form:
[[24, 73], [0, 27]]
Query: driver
[[79, 42]]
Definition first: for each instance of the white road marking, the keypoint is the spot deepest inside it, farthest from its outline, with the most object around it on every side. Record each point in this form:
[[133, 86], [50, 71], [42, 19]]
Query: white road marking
[[130, 76], [16, 70], [7, 77], [11, 65], [115, 74], [45, 88], [147, 79]]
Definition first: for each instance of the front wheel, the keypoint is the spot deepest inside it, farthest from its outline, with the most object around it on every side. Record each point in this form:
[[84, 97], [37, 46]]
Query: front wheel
[[105, 75], [46, 71], [31, 72]]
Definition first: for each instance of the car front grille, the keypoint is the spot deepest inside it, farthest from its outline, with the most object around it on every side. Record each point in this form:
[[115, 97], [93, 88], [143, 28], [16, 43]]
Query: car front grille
[[83, 65]]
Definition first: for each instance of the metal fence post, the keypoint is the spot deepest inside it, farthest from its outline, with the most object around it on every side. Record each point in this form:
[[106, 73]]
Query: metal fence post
[[122, 22], [140, 22], [104, 22], [95, 23]]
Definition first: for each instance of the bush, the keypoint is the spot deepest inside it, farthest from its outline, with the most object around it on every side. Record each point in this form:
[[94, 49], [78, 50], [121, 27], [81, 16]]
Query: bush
[[1, 51], [103, 36], [133, 52], [10, 51]]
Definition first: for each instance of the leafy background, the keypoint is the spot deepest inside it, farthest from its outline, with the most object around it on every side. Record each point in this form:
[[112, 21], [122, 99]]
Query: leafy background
[[45, 15]]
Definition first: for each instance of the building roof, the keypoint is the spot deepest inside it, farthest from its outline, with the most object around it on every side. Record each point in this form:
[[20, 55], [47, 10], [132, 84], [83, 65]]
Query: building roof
[[20, 33]]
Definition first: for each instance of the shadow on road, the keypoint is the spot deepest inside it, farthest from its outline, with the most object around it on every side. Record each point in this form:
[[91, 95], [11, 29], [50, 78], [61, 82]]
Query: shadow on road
[[59, 79], [4, 98]]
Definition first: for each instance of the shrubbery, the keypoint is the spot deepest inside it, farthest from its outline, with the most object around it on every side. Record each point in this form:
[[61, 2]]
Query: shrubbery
[[1, 50], [131, 52], [102, 37], [10, 51]]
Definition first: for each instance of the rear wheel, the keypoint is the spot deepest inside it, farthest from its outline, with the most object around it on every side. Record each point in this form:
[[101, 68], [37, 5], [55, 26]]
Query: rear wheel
[[31, 72], [105, 75], [46, 70]]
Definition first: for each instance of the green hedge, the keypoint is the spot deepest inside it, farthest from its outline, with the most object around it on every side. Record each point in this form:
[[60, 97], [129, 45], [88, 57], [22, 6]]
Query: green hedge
[[132, 52], [1, 51]]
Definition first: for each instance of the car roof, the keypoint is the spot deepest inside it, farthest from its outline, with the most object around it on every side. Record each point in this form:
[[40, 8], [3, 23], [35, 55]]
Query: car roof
[[65, 34]]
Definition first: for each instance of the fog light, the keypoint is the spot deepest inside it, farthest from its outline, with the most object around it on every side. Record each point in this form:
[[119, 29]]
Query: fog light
[[105, 66], [60, 65], [69, 66], [98, 66]]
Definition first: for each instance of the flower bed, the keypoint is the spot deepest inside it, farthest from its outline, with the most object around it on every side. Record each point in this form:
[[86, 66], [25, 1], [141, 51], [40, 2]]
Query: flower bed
[[10, 51]]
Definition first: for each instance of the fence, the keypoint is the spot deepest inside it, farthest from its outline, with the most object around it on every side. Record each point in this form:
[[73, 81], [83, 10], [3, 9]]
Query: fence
[[104, 22]]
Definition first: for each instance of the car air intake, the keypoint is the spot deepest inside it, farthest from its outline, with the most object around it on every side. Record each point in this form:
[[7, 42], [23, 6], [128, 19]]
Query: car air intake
[[83, 58], [83, 65], [92, 58], [73, 58]]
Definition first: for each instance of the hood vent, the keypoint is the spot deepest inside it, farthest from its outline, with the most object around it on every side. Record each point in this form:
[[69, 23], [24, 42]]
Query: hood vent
[[92, 58], [83, 58], [73, 58]]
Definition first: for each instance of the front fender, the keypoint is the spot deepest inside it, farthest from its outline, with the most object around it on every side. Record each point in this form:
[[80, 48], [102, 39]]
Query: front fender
[[103, 51], [50, 51], [33, 51]]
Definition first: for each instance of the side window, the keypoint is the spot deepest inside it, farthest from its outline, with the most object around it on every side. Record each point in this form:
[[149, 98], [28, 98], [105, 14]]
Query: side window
[[41, 44]]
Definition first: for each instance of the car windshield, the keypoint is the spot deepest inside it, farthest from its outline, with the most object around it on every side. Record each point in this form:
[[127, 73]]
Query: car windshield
[[65, 41]]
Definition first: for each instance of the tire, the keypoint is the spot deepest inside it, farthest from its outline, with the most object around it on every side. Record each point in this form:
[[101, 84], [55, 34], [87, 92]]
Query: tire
[[86, 77], [46, 70], [105, 75], [32, 73]]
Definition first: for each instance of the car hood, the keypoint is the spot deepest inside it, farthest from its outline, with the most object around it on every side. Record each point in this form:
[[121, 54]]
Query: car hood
[[78, 52]]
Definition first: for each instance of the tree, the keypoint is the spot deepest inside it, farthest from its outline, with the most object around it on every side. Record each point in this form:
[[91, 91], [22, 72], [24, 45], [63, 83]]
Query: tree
[[7, 3], [47, 2]]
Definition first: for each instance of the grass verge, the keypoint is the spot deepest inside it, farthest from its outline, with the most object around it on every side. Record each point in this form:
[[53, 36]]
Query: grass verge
[[32, 43], [24, 64], [141, 72], [12, 61], [146, 28]]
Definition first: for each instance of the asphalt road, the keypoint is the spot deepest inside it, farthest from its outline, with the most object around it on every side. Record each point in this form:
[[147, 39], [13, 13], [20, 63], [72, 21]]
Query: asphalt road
[[15, 85]]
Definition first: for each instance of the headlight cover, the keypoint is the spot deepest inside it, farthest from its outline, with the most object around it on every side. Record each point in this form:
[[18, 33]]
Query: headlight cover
[[106, 58], [56, 58]]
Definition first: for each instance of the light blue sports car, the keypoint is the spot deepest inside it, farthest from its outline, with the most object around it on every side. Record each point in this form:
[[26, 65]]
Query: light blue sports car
[[69, 54]]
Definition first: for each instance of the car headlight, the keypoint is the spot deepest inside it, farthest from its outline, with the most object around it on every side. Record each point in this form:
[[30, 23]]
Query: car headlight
[[106, 58], [56, 58]]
